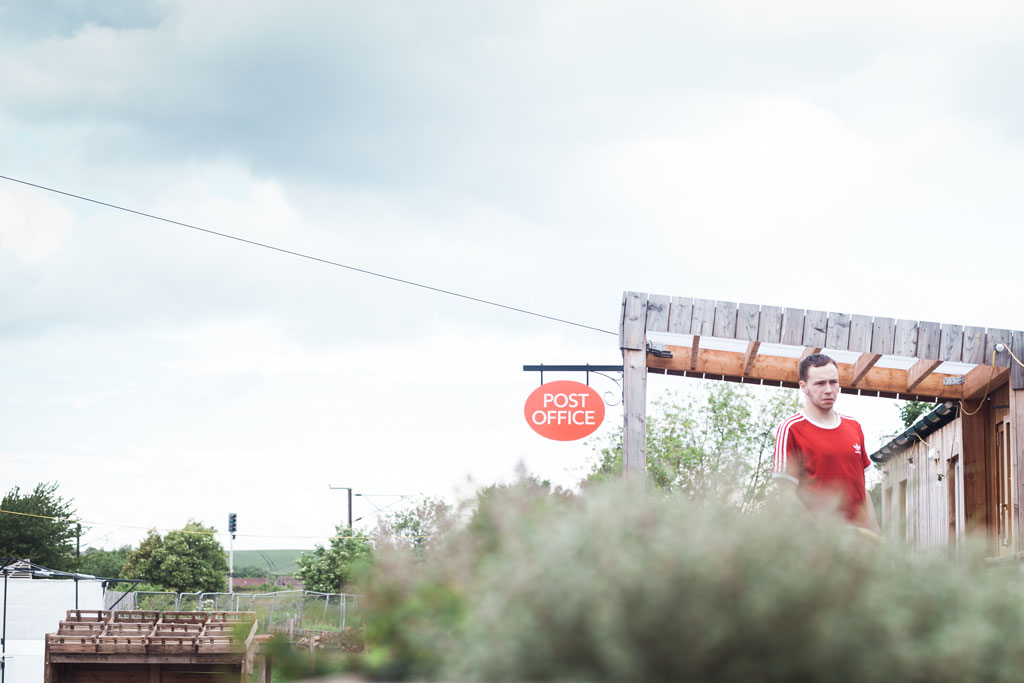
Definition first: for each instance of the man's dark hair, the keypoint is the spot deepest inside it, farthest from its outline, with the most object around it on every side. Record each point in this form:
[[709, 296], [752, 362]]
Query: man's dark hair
[[815, 360]]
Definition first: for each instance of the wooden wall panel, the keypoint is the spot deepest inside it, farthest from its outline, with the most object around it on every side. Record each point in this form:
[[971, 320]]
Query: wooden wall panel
[[952, 343], [747, 318], [974, 345], [860, 333], [793, 326], [882, 333], [998, 337], [905, 340], [837, 335], [815, 325], [725, 320], [680, 315], [770, 329], [657, 313], [929, 340], [703, 317], [1016, 369]]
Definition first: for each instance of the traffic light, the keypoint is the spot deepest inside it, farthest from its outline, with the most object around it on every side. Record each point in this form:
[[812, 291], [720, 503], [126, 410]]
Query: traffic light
[[232, 522]]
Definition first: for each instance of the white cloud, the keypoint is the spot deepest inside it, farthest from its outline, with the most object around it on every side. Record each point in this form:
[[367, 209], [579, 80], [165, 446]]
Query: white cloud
[[32, 225]]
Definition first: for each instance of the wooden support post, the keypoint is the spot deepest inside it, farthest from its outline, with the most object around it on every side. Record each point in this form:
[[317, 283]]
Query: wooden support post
[[1017, 450], [261, 668], [694, 347], [154, 673], [919, 371], [749, 357], [980, 381], [865, 362], [633, 342], [973, 420]]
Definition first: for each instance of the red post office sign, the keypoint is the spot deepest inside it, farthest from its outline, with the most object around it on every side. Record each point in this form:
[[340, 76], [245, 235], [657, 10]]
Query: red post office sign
[[564, 411]]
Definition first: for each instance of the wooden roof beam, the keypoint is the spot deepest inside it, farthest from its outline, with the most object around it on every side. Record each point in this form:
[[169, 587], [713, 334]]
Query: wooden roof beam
[[750, 356], [809, 351], [982, 380], [865, 362], [919, 371]]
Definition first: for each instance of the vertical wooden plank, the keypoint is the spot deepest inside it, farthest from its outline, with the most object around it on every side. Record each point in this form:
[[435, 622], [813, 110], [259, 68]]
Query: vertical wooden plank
[[154, 673], [974, 465], [905, 341], [769, 330], [1004, 337], [882, 333], [952, 343], [815, 325], [1017, 373], [703, 323], [634, 318], [1017, 449], [974, 345], [634, 409], [929, 340], [837, 335], [860, 333], [680, 315], [657, 313], [793, 327], [725, 320], [747, 318]]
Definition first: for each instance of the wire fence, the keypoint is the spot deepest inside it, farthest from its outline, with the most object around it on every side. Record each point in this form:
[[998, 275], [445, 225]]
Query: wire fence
[[301, 609]]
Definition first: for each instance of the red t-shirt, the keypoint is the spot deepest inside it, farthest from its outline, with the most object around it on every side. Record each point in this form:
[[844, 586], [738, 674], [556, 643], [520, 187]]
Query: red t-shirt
[[823, 460]]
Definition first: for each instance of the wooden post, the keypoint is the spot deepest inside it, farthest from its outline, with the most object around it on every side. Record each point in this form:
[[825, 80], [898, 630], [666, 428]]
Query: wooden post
[[633, 343], [154, 673], [974, 466], [1017, 449]]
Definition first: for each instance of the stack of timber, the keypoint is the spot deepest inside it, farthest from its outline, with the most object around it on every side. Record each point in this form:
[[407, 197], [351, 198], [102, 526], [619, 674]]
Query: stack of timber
[[142, 646]]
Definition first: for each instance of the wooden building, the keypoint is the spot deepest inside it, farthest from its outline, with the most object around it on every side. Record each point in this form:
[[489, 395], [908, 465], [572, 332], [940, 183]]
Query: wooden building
[[99, 646], [935, 491], [976, 372]]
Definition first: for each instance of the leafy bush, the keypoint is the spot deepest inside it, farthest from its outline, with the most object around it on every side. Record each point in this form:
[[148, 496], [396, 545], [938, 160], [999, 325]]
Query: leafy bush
[[628, 584]]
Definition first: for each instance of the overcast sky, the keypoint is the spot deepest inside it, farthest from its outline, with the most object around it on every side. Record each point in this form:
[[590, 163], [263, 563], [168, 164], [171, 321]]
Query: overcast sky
[[854, 157]]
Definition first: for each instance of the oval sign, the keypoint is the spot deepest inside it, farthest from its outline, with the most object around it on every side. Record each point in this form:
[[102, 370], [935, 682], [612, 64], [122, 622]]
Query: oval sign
[[564, 411]]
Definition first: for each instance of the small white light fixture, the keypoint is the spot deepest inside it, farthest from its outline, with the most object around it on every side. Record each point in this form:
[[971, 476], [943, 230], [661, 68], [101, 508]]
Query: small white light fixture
[[933, 454]]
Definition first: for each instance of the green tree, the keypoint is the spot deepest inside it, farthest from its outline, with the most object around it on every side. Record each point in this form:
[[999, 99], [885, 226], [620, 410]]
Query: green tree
[[715, 443], [99, 562], [43, 531], [329, 569], [911, 410], [415, 527], [188, 560]]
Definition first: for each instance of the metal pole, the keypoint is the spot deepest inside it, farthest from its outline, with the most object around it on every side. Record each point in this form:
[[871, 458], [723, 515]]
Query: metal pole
[[231, 564], [3, 635], [349, 489]]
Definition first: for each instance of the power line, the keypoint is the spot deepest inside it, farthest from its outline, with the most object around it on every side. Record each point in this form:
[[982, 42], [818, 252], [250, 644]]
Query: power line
[[305, 256]]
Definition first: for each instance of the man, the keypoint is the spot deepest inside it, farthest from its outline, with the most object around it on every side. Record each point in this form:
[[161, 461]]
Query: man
[[819, 454]]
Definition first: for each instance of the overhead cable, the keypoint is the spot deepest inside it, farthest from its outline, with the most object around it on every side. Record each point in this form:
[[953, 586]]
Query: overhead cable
[[305, 256]]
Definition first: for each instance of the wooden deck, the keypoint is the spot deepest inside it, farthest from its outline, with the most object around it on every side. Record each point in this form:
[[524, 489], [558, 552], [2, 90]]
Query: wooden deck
[[151, 647]]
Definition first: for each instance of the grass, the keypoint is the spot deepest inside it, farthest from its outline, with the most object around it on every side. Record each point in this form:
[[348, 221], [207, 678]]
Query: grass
[[282, 562]]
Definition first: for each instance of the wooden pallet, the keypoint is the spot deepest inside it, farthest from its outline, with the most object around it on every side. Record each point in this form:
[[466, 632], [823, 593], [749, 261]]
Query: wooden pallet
[[88, 615]]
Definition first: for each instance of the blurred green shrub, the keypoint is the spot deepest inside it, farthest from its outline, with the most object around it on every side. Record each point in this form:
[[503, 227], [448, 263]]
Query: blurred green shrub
[[629, 584]]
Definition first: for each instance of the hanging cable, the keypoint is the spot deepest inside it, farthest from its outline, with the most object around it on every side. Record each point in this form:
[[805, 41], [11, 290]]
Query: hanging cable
[[263, 245]]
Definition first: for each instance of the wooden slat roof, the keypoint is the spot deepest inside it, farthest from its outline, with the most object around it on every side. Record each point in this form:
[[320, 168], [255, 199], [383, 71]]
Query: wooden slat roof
[[870, 336]]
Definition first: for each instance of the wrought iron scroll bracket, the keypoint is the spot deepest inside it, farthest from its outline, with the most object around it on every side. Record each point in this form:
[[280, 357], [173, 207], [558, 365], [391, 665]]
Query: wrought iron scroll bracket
[[587, 369]]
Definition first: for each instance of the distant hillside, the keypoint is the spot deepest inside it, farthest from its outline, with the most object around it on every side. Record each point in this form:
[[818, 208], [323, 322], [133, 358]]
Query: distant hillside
[[281, 562]]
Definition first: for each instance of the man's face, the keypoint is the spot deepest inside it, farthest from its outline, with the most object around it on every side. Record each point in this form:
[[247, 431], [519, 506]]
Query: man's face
[[822, 386]]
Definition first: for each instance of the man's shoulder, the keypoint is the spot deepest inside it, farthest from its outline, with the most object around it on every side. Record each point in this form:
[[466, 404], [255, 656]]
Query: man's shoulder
[[847, 419], [793, 419]]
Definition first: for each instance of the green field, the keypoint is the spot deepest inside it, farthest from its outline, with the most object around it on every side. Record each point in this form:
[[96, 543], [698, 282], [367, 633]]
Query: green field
[[279, 562]]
